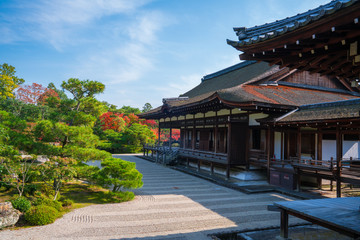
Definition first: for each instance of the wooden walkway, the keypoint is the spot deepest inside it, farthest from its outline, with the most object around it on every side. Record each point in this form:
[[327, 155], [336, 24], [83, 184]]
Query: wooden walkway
[[344, 171], [338, 214]]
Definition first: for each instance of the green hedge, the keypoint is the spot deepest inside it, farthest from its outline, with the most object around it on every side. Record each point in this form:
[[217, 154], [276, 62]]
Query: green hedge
[[41, 215]]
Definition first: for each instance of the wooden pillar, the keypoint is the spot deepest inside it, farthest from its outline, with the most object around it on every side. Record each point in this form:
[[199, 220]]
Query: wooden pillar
[[339, 143], [284, 224], [331, 169], [319, 154], [216, 133], [272, 142], [247, 166], [288, 145], [319, 144], [194, 134], [185, 133], [299, 144], [299, 158], [268, 152], [228, 148], [282, 145]]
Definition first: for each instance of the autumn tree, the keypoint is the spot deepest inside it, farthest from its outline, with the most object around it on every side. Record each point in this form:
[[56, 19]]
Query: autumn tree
[[30, 93], [8, 81], [113, 121], [125, 133]]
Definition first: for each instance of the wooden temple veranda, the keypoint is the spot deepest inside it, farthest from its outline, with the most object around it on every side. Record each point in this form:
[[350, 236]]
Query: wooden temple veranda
[[291, 107]]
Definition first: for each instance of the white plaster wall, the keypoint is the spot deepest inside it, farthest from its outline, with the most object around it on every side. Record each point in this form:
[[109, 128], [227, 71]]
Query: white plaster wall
[[277, 145], [328, 149], [241, 174], [253, 117], [351, 149]]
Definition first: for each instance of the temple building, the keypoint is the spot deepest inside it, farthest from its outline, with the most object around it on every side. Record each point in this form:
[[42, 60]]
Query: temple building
[[292, 106]]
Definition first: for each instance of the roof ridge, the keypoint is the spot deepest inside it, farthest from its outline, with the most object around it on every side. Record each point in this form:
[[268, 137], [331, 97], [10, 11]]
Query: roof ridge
[[227, 70], [318, 88], [331, 104]]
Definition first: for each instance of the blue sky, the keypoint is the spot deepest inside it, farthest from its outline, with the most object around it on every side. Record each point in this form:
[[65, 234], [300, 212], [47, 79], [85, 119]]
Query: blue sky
[[142, 50]]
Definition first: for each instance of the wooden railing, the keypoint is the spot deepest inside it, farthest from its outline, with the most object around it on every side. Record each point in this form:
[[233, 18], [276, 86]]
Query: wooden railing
[[351, 168], [203, 155], [258, 158], [161, 154], [347, 166]]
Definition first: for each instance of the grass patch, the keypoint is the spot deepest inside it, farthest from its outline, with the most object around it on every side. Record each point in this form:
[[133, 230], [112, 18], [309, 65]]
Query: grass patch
[[85, 194]]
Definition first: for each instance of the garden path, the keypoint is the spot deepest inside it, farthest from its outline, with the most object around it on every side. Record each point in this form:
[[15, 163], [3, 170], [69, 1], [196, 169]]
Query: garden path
[[170, 205]]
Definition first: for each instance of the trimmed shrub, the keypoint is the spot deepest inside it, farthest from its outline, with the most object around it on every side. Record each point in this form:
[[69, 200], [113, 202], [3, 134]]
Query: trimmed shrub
[[41, 215], [21, 203], [48, 202], [122, 196]]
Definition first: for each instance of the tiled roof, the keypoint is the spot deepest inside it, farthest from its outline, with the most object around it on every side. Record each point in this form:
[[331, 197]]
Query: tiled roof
[[282, 95], [230, 77], [248, 36], [227, 70], [254, 94], [325, 111]]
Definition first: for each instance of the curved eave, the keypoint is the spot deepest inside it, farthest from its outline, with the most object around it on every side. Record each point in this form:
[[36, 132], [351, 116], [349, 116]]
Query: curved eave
[[254, 36], [216, 103]]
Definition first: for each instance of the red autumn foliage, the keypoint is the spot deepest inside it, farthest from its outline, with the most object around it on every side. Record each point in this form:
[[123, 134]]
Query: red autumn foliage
[[34, 93], [165, 134], [150, 123], [30, 93], [48, 93], [113, 121], [118, 121]]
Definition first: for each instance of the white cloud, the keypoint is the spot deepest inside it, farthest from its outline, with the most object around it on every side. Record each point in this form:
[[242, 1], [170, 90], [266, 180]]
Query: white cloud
[[61, 23], [146, 26], [126, 52]]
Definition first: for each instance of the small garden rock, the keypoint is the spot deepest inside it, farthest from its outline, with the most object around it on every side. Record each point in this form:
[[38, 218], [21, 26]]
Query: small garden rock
[[8, 215]]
